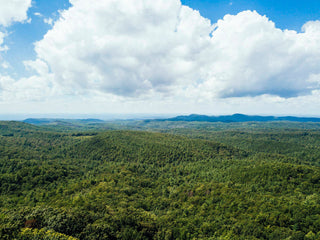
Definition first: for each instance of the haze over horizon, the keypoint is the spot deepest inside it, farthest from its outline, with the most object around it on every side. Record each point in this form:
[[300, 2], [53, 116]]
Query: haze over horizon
[[166, 57]]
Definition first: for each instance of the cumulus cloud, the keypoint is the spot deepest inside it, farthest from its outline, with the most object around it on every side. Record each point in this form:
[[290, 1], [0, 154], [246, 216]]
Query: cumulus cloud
[[34, 88], [161, 48], [124, 47], [250, 56], [13, 11], [40, 67], [135, 48]]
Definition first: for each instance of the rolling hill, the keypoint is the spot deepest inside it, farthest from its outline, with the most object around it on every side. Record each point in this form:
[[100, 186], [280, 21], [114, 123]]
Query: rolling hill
[[149, 185]]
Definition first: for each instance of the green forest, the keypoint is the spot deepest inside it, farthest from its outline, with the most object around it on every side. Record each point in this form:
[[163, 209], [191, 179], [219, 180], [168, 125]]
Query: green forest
[[159, 180]]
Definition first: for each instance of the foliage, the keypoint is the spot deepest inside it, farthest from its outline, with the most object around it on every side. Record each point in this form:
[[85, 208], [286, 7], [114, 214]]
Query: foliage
[[34, 234], [202, 181]]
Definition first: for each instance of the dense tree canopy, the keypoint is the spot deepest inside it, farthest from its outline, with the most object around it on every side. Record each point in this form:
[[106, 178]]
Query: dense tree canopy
[[199, 181]]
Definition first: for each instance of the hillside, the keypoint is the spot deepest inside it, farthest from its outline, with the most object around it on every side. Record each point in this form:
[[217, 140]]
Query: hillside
[[239, 118], [146, 185]]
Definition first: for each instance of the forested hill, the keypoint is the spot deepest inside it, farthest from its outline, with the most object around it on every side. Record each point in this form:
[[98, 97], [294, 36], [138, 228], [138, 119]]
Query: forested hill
[[107, 184], [53, 121], [238, 118], [164, 123]]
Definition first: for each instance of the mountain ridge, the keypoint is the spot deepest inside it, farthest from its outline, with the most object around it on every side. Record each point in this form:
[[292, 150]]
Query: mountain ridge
[[43, 121], [238, 118]]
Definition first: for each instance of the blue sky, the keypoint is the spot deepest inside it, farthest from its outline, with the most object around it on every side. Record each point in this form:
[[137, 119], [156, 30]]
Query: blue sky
[[287, 14], [56, 62]]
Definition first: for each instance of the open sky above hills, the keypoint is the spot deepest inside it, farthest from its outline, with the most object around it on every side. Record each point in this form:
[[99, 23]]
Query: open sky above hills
[[161, 56]]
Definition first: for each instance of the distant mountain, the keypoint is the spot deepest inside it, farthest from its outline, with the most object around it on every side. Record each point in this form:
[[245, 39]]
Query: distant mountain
[[55, 121], [90, 120], [238, 118], [38, 121]]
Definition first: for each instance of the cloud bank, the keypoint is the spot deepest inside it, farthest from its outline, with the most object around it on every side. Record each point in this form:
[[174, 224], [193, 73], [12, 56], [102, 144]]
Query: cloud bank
[[249, 56], [145, 48], [125, 48], [13, 11]]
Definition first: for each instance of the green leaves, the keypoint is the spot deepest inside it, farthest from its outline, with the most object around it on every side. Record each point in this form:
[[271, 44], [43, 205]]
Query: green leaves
[[143, 185]]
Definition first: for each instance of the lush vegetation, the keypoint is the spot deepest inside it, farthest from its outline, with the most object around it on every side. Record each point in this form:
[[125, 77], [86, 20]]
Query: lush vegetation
[[171, 181]]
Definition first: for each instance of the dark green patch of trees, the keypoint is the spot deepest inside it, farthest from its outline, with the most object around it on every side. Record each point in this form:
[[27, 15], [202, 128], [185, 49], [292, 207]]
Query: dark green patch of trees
[[198, 182]]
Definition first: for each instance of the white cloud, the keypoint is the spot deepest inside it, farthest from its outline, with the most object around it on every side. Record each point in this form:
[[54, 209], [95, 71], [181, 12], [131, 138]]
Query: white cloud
[[13, 11], [48, 21], [161, 53], [249, 56], [34, 88], [40, 67], [125, 48], [38, 14], [137, 48]]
